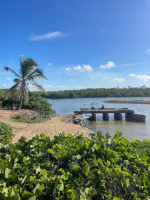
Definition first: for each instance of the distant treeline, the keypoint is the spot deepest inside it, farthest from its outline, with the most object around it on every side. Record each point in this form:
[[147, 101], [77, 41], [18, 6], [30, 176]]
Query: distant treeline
[[101, 92]]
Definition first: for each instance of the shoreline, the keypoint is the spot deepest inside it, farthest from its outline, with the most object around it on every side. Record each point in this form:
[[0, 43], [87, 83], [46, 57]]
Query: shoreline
[[129, 101], [53, 126]]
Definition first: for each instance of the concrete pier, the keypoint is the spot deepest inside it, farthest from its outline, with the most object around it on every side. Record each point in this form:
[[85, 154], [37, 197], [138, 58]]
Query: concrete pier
[[129, 114], [117, 116]]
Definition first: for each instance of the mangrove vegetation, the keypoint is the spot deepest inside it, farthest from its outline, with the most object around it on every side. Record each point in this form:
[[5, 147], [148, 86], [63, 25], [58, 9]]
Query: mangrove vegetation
[[99, 92]]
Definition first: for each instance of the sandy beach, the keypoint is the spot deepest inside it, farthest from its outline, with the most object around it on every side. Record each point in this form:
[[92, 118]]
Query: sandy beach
[[55, 125]]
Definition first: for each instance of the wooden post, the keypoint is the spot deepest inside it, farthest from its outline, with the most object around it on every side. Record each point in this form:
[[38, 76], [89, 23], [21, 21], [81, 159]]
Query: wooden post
[[117, 116], [105, 117]]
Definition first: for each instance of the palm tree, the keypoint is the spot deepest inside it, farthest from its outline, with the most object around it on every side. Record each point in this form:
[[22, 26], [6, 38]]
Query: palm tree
[[27, 75]]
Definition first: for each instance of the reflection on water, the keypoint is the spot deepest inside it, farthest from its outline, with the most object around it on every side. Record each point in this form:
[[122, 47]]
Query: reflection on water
[[131, 130]]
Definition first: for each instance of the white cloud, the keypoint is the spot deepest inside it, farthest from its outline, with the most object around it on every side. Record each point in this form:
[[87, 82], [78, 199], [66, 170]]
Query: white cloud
[[78, 68], [109, 65], [8, 78], [140, 77], [50, 35], [148, 50], [49, 64], [68, 69], [132, 74], [119, 80], [87, 68], [130, 64], [83, 68]]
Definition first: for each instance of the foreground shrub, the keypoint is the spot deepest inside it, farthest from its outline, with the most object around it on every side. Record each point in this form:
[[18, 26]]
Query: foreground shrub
[[6, 133], [75, 168]]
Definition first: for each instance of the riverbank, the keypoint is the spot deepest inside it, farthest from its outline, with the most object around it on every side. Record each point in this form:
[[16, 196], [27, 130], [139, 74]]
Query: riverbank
[[129, 101], [55, 125]]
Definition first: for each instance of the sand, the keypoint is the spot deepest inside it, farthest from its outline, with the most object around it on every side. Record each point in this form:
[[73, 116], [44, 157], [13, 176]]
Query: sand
[[55, 125], [129, 101]]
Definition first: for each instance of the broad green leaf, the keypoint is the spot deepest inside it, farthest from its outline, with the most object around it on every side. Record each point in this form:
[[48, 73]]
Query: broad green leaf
[[100, 161], [109, 141], [27, 194], [42, 187], [32, 198], [127, 183], [86, 169], [78, 156], [37, 187], [87, 190], [61, 186], [38, 169], [7, 172], [51, 151]]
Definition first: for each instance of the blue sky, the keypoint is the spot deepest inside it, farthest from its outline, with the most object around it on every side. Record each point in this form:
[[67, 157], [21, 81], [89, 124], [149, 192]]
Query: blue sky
[[78, 43]]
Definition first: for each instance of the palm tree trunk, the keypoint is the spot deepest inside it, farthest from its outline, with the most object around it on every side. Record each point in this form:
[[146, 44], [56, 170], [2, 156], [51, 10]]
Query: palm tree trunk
[[21, 97], [20, 104]]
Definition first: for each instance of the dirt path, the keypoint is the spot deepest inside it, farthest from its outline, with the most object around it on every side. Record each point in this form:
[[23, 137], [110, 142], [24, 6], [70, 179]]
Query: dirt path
[[54, 126]]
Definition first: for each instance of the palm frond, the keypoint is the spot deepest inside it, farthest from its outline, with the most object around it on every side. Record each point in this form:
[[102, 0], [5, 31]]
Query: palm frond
[[12, 71], [26, 66], [13, 88], [39, 87], [38, 73], [16, 80]]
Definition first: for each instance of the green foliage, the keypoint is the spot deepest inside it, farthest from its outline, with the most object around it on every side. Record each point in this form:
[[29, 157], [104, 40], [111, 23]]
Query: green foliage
[[36, 102], [6, 133], [99, 92], [75, 168], [22, 118], [8, 100]]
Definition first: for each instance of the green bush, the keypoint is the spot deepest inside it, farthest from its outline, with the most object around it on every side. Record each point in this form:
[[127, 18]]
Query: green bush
[[37, 103], [68, 167], [6, 133], [8, 100]]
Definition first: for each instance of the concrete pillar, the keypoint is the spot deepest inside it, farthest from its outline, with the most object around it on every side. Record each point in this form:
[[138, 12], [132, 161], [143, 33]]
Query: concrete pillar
[[105, 116], [139, 118], [117, 116], [135, 117], [93, 117], [129, 116]]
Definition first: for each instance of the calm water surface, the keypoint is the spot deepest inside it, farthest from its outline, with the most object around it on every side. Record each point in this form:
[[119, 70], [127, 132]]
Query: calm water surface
[[131, 130]]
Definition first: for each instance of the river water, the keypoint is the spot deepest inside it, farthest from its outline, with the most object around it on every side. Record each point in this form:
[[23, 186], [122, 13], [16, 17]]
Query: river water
[[131, 130]]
